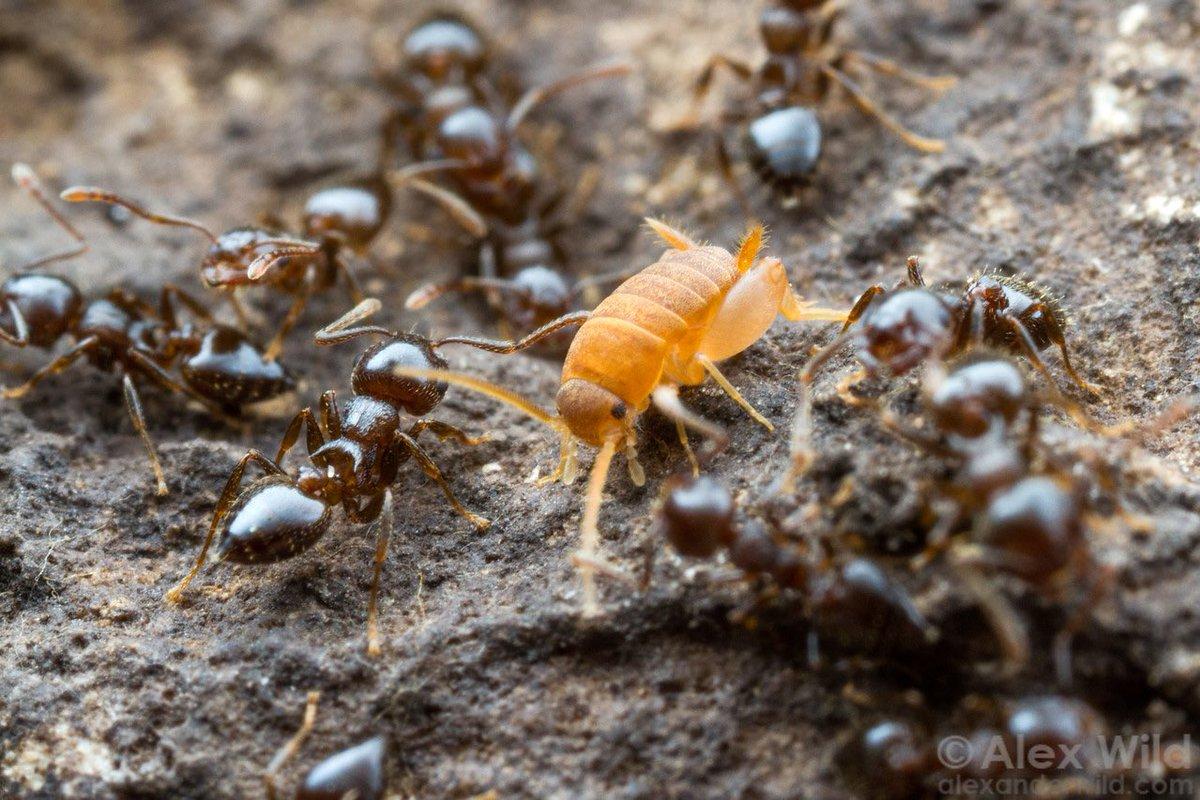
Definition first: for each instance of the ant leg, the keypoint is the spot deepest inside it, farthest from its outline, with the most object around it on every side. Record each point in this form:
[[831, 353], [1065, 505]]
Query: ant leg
[[800, 445], [1056, 336], [725, 166], [459, 209], [675, 238], [133, 404], [885, 66], [91, 194], [445, 431], [539, 94], [289, 750], [505, 348], [681, 430], [589, 529], [1072, 409], [1061, 649], [869, 107], [228, 495], [21, 336], [289, 321], [152, 370], [331, 416], [434, 474], [313, 438], [28, 180], [666, 399], [170, 295], [239, 310], [700, 89], [382, 540], [53, 368], [711, 368], [1006, 624], [342, 265]]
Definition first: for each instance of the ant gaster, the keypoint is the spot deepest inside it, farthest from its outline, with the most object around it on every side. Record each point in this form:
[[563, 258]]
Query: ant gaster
[[782, 140], [355, 457], [358, 772], [218, 366]]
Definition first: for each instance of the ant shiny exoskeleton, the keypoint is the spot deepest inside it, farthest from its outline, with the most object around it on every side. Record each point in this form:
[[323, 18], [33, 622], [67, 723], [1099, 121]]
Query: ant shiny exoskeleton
[[217, 365], [356, 773], [335, 219], [355, 454], [1027, 512], [894, 332], [783, 139], [499, 195], [696, 516]]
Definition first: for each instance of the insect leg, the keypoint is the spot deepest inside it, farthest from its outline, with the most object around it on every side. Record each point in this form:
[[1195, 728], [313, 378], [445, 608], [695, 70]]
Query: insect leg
[[434, 474], [53, 368], [382, 540], [289, 750], [870, 108], [711, 368], [133, 404]]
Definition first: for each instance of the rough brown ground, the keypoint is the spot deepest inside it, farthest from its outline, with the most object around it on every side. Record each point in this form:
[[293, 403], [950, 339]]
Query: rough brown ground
[[1074, 158]]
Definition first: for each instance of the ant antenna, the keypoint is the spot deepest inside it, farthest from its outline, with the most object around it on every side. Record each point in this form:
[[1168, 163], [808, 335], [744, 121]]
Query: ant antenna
[[538, 95], [91, 194], [27, 179]]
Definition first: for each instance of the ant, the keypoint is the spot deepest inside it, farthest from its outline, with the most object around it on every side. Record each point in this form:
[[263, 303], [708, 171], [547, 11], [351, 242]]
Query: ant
[[782, 141], [335, 220], [498, 192], [894, 332], [1048, 736], [665, 327], [355, 454], [1026, 510], [358, 772], [444, 58], [218, 366], [696, 515]]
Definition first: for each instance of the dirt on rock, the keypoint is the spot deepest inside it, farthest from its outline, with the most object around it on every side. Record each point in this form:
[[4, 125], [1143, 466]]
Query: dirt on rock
[[1074, 157]]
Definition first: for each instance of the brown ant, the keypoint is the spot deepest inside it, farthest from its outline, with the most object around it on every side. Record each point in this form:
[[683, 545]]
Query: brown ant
[[782, 141], [358, 772], [218, 366], [444, 58], [696, 516], [1027, 512], [335, 220], [894, 332], [498, 197], [355, 454]]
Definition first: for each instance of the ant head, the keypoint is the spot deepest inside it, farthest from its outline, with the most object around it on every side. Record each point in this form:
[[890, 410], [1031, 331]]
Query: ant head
[[272, 520], [373, 374], [976, 395], [906, 328], [474, 136], [697, 515], [988, 291], [784, 30], [51, 306], [230, 256], [445, 46]]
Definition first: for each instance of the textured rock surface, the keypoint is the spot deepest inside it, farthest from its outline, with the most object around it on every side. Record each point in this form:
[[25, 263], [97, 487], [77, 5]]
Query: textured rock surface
[[1073, 159]]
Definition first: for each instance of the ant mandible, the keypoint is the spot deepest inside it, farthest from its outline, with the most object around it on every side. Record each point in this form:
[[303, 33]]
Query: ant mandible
[[358, 772], [218, 366], [783, 139], [894, 332], [355, 456], [665, 327]]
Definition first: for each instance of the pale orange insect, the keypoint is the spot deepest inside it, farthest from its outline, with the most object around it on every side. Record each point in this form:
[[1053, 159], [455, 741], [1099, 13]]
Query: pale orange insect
[[667, 326]]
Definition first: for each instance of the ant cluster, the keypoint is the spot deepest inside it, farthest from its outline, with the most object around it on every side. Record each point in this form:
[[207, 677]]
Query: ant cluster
[[1012, 507]]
